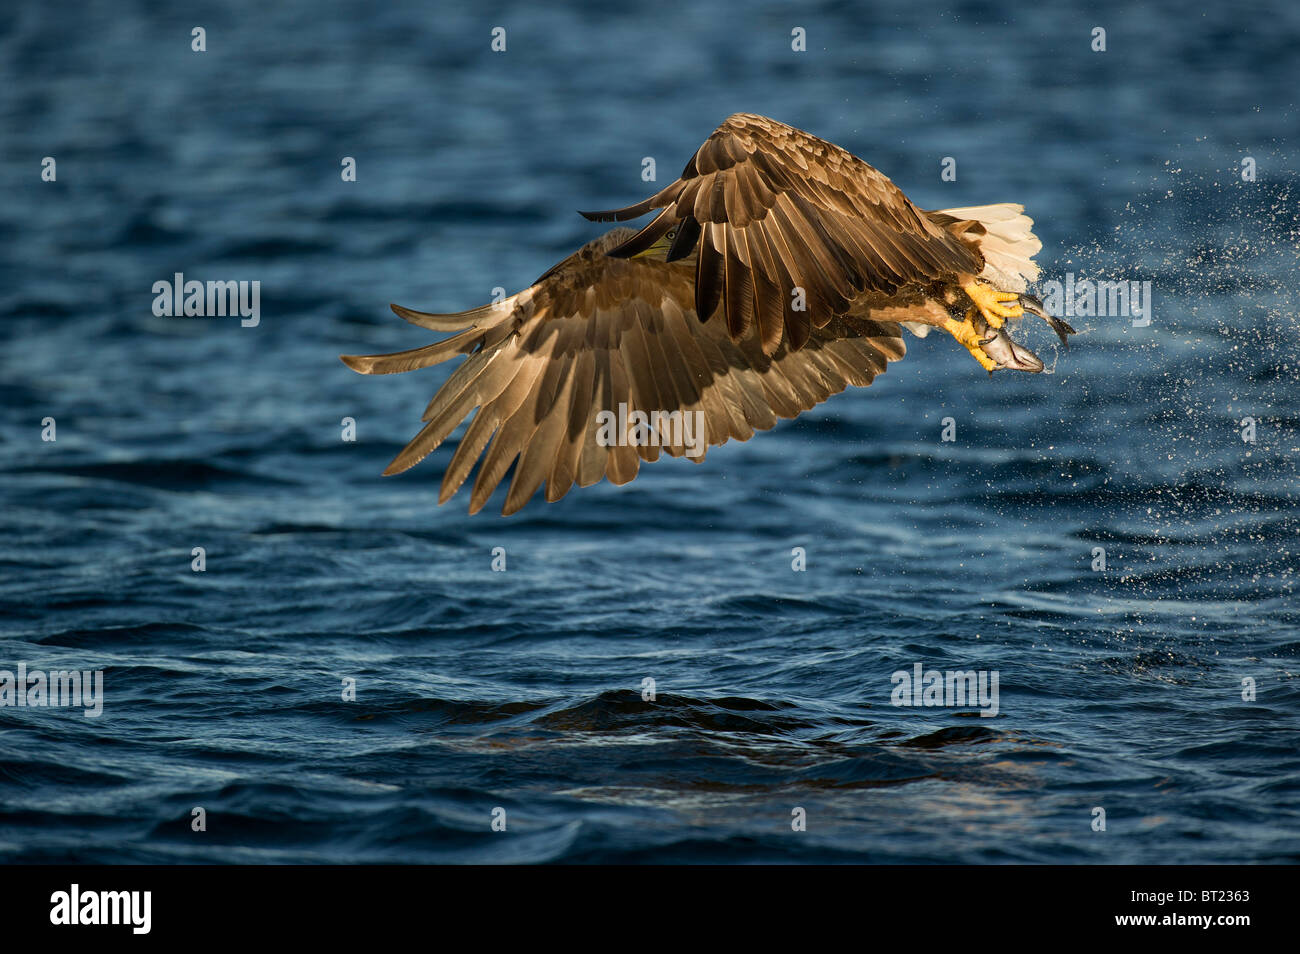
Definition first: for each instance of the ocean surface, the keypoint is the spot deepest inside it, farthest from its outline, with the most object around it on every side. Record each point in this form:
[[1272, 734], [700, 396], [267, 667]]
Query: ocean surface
[[521, 696]]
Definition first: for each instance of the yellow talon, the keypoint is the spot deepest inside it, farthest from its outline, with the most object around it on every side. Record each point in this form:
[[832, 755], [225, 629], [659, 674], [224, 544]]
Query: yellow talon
[[965, 333], [990, 302]]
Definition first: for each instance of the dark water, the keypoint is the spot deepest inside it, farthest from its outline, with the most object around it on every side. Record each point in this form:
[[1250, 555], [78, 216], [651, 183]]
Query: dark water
[[522, 689]]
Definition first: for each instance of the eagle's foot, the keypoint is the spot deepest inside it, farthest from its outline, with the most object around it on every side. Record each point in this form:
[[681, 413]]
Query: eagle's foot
[[994, 305], [970, 339]]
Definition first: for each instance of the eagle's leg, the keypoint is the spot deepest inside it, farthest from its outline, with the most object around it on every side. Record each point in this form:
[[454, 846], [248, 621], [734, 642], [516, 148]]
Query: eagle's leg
[[970, 338], [996, 306]]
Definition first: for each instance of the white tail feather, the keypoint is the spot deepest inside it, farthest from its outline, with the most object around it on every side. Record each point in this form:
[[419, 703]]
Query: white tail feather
[[1009, 246]]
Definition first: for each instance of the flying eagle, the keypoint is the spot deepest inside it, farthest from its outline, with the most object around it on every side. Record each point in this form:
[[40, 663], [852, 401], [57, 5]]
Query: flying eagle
[[779, 270]]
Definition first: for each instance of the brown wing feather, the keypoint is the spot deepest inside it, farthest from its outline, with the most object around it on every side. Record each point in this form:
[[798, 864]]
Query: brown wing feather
[[835, 226], [598, 332]]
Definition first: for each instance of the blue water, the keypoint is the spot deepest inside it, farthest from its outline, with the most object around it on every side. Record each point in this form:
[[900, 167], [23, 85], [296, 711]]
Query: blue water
[[522, 690]]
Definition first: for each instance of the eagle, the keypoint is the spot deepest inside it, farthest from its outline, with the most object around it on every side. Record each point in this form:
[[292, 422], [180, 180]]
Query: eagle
[[778, 270]]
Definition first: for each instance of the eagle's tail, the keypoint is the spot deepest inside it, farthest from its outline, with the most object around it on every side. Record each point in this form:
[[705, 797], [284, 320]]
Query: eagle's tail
[[1008, 245]]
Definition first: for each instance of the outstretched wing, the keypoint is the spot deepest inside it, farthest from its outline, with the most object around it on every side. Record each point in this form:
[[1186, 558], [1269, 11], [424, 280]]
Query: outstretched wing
[[596, 332], [773, 208]]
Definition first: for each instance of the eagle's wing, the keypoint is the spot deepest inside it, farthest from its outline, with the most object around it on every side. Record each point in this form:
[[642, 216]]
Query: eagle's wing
[[595, 332], [775, 208]]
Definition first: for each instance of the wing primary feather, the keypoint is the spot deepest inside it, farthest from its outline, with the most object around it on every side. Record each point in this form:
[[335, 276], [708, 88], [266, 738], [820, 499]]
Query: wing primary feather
[[564, 471], [623, 214], [688, 232], [593, 458], [709, 277], [455, 321], [467, 453], [400, 361], [538, 448], [739, 288], [506, 444], [622, 462]]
